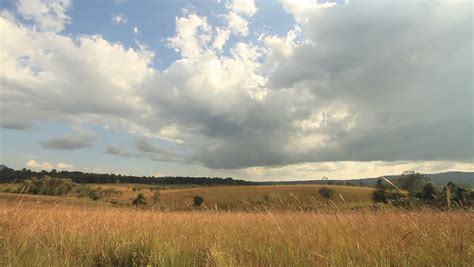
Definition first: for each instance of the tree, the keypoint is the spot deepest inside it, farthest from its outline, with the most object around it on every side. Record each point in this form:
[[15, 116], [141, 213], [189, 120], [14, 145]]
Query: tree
[[198, 200], [429, 192], [412, 182], [381, 184], [380, 195], [326, 192], [140, 200]]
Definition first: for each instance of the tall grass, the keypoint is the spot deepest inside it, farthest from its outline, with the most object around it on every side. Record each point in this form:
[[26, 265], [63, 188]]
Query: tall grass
[[42, 234]]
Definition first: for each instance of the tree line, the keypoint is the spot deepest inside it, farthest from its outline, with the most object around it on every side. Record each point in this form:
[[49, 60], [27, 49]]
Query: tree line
[[414, 190], [8, 175]]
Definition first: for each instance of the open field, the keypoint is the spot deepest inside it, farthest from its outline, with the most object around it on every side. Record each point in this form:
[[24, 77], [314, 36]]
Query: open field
[[289, 197], [46, 233], [275, 197]]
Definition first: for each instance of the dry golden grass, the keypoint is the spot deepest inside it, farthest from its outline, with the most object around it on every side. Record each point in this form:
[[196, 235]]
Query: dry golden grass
[[283, 197], [54, 234]]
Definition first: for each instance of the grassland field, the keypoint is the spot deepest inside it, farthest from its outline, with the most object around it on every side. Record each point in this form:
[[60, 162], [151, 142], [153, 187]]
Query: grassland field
[[289, 197], [275, 231], [281, 197]]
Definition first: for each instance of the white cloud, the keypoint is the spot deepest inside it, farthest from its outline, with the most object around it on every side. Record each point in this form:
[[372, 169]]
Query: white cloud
[[192, 35], [136, 31], [33, 164], [120, 19], [48, 15], [245, 7], [237, 24], [221, 38], [302, 10], [46, 76]]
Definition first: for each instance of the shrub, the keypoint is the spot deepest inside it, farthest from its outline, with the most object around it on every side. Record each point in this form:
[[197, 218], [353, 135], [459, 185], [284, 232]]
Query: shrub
[[380, 195], [47, 186], [198, 200], [326, 192], [140, 200]]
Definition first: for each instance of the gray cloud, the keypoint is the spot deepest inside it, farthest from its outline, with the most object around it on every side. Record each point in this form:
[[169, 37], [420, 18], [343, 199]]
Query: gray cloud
[[118, 150], [399, 75], [146, 149], [81, 138]]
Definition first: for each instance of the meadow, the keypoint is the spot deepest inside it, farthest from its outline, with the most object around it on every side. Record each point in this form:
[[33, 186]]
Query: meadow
[[47, 231], [281, 197]]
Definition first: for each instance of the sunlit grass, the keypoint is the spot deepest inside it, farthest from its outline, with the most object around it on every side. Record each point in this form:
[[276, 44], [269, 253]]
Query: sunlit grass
[[52, 234], [282, 197]]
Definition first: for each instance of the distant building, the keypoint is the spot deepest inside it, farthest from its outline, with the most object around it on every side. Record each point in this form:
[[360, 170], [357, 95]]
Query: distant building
[[408, 172]]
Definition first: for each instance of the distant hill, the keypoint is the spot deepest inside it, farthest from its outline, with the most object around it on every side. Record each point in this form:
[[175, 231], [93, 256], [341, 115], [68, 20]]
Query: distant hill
[[461, 178], [2, 167]]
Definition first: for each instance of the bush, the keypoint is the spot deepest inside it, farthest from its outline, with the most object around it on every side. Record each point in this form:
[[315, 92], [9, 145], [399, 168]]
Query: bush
[[326, 192], [140, 200], [380, 195], [198, 200], [47, 186]]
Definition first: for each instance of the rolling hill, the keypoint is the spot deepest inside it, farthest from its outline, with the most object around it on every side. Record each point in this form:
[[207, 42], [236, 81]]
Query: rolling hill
[[461, 178]]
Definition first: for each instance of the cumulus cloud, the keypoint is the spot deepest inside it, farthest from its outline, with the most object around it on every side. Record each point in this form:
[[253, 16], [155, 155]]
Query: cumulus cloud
[[237, 16], [237, 24], [48, 15], [246, 7], [362, 81], [80, 138], [33, 164], [47, 76]]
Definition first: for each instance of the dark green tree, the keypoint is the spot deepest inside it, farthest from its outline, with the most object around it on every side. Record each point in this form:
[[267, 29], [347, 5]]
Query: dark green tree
[[381, 184], [139, 201], [380, 195], [429, 192], [326, 192], [198, 200], [412, 182]]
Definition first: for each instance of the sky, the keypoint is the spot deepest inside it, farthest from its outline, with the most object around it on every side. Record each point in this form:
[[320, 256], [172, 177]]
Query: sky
[[255, 90]]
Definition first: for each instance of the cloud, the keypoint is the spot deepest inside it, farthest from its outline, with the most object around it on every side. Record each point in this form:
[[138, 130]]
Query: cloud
[[237, 24], [326, 96], [155, 151], [362, 81], [245, 7], [146, 149], [136, 31], [303, 10], [237, 16], [33, 164], [80, 138], [193, 33], [47, 76], [48, 15], [118, 150], [120, 19]]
